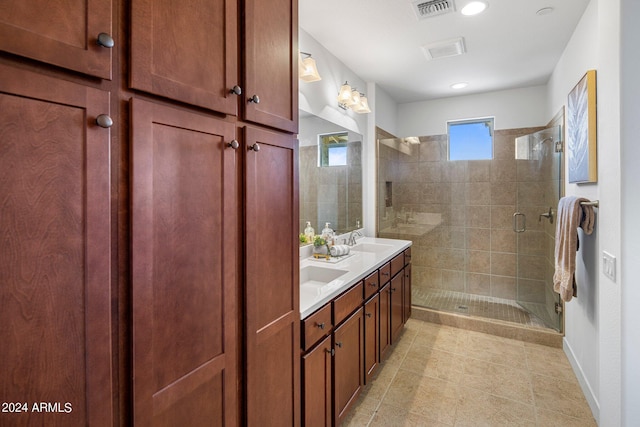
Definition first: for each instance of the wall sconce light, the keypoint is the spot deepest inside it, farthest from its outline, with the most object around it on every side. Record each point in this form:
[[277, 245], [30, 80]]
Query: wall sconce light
[[307, 69], [351, 98]]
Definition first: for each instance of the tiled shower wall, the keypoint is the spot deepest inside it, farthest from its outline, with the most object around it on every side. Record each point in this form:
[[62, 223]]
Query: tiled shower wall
[[474, 248]]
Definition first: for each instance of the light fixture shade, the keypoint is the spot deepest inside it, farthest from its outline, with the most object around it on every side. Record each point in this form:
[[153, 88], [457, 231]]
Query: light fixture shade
[[345, 94], [363, 106], [308, 71], [354, 99]]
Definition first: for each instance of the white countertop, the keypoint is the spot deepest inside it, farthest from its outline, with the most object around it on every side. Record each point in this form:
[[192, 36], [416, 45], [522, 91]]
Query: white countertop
[[358, 266]]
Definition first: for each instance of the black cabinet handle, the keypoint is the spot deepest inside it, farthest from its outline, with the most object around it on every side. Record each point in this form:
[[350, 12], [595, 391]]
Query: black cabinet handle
[[368, 314], [320, 325], [339, 344]]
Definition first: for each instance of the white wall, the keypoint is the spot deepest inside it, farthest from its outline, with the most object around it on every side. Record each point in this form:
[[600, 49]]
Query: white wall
[[601, 330], [630, 259], [582, 313], [319, 98], [516, 108]]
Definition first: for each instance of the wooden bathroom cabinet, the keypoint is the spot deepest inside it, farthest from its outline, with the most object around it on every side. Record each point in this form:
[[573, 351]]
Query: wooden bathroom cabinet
[[144, 187], [340, 354]]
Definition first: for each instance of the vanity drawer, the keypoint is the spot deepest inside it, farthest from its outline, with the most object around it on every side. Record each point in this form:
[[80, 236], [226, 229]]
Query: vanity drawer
[[397, 264], [347, 303], [371, 284], [316, 326], [407, 256], [385, 273]]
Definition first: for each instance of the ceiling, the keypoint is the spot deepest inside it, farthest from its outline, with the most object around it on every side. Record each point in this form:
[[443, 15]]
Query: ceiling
[[507, 46]]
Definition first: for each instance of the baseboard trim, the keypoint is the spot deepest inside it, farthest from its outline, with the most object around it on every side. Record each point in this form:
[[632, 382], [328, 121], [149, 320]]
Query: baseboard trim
[[592, 400]]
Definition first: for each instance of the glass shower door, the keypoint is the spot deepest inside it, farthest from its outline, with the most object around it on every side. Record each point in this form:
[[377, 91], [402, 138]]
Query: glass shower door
[[539, 188]]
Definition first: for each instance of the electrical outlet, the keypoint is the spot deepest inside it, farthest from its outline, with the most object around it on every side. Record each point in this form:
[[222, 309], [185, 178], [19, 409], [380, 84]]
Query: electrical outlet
[[609, 265]]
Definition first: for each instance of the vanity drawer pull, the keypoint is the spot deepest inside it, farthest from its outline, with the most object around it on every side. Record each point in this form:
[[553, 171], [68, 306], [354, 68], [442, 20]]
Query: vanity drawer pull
[[320, 325]]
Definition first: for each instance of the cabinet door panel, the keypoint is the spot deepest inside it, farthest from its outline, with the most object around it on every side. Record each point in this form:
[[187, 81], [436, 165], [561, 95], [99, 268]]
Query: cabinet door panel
[[385, 320], [271, 63], [407, 292], [348, 364], [184, 227], [371, 336], [55, 286], [59, 33], [272, 305], [317, 367], [192, 59], [397, 306]]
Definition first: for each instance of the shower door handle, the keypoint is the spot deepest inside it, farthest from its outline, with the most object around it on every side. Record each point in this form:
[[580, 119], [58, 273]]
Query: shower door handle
[[515, 222]]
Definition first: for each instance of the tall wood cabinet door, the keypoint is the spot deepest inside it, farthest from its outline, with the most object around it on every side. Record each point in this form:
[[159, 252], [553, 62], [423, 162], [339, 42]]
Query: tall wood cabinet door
[[272, 290], [397, 306], [184, 278], [192, 59], [59, 33], [371, 336], [317, 368], [348, 364], [270, 57], [55, 284]]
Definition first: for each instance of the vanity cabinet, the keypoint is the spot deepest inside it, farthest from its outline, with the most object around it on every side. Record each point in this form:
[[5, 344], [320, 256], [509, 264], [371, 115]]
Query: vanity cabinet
[[341, 355], [348, 362], [317, 368], [372, 336], [220, 55], [385, 310]]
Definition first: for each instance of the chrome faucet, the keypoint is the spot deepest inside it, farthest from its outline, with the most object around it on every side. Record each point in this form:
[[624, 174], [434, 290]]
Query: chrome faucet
[[352, 237]]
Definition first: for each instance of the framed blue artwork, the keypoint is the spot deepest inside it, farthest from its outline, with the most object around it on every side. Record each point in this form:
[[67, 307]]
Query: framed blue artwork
[[581, 130]]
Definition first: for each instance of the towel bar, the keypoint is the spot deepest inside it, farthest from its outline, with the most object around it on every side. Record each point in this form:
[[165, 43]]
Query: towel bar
[[594, 203]]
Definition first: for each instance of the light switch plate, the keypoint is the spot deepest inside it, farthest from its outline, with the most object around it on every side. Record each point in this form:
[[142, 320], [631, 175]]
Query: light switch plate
[[609, 265]]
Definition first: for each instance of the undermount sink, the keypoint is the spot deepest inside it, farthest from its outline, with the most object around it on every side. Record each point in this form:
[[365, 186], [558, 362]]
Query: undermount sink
[[375, 248], [312, 275]]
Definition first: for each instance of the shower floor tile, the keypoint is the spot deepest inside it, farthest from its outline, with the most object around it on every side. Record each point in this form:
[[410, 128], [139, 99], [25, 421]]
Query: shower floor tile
[[476, 305]]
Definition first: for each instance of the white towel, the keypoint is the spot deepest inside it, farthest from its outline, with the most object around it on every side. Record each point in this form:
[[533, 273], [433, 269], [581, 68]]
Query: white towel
[[339, 250]]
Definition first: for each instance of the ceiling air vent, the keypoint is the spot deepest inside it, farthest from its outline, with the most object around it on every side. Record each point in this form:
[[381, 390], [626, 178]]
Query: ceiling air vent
[[445, 48], [427, 9]]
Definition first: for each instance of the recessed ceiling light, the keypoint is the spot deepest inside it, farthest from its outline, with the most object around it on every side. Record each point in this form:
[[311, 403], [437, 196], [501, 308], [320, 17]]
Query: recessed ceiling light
[[474, 8], [460, 85], [544, 11]]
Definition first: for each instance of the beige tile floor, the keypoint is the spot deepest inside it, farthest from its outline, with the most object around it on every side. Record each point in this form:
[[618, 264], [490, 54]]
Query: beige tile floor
[[439, 375]]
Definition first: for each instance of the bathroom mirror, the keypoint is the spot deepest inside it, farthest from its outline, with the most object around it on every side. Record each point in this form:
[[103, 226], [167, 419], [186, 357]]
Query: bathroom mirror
[[330, 175]]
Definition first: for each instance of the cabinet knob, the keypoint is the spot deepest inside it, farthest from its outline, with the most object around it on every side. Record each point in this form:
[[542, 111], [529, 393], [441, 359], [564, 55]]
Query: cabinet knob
[[255, 99], [236, 90], [320, 325], [233, 144], [104, 121], [105, 40], [372, 284], [368, 314], [255, 147], [330, 351], [392, 289], [385, 274], [339, 344]]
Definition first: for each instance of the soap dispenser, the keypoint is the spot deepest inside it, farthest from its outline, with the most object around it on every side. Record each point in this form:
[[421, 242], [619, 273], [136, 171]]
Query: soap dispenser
[[309, 232], [327, 233]]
